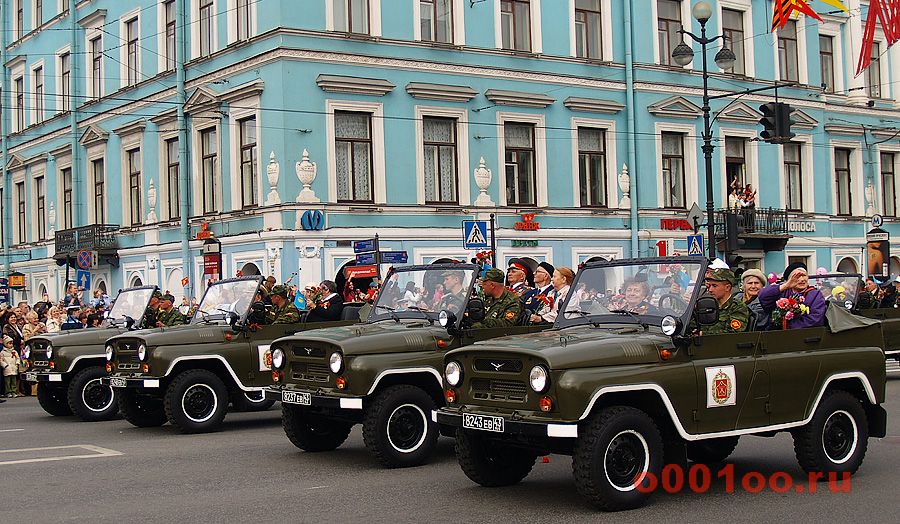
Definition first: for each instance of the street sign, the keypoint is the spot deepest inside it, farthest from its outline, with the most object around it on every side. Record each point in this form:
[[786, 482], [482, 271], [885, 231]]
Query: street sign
[[83, 278], [365, 258], [364, 246], [877, 236], [475, 234], [695, 245], [87, 259], [352, 272], [4, 291], [877, 220], [394, 257], [695, 216], [184, 282]]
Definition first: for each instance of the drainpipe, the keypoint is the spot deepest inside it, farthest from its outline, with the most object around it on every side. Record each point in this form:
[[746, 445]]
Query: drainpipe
[[629, 112], [79, 201], [6, 241], [184, 201]]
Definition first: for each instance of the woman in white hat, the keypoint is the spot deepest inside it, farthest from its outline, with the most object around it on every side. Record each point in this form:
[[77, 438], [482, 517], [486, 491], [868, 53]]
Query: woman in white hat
[[753, 280]]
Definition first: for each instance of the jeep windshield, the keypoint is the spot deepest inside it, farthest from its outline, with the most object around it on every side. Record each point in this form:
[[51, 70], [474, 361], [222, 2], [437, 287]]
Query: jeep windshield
[[423, 292], [841, 288], [130, 304], [634, 292], [226, 300]]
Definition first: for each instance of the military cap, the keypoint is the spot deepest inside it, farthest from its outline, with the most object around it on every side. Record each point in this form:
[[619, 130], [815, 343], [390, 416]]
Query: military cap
[[157, 294], [280, 290], [722, 275], [169, 297], [493, 275], [452, 273], [516, 263]]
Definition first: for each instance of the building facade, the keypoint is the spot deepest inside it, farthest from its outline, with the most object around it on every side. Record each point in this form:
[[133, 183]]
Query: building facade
[[290, 128]]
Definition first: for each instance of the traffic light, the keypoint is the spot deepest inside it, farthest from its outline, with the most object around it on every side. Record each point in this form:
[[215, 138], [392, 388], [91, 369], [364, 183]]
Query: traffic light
[[734, 228], [769, 121], [784, 123]]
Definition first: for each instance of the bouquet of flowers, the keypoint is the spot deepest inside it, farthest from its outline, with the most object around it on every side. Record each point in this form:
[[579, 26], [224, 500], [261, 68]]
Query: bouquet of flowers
[[787, 309]]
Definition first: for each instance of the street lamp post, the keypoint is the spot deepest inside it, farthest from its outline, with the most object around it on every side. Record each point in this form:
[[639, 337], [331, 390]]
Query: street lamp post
[[683, 54]]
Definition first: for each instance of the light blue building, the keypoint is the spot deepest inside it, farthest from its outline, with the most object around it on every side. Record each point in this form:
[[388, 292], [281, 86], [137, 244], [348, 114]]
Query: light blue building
[[405, 117]]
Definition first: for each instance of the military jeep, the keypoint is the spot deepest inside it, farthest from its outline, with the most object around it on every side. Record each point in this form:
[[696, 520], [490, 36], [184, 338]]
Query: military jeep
[[187, 374], [383, 374], [625, 387], [69, 365]]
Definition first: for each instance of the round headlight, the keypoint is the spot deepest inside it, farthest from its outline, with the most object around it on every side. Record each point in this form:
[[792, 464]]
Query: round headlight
[[26, 352], [539, 378], [336, 362], [277, 358], [49, 351], [669, 325], [142, 352], [444, 318], [109, 353], [453, 373]]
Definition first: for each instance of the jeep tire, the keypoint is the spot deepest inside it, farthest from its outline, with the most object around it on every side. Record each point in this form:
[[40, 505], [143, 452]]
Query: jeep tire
[[613, 449], [196, 401], [398, 429], [711, 451], [311, 432], [90, 400], [143, 411], [492, 464], [836, 439], [250, 401], [53, 399]]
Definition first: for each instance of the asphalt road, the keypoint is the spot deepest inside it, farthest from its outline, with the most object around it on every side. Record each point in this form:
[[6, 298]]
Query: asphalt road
[[114, 472]]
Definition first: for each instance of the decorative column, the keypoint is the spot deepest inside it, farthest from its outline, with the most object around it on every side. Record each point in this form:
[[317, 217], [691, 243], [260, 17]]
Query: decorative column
[[151, 203], [856, 85], [306, 172], [483, 181], [625, 187], [272, 171], [870, 198], [51, 221]]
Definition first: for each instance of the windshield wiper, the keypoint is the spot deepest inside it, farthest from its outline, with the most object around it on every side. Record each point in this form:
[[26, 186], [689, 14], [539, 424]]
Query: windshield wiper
[[631, 314], [423, 311], [394, 317]]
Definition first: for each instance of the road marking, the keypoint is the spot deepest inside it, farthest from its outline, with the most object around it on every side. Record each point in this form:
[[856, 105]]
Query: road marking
[[316, 487], [8, 430], [95, 452]]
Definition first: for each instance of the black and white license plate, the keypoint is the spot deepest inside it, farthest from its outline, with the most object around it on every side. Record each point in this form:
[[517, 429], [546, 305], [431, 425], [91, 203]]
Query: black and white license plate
[[483, 422], [117, 382], [295, 397], [31, 377]]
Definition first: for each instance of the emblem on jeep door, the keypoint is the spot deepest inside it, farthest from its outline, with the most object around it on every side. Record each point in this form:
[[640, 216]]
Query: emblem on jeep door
[[720, 382], [497, 366]]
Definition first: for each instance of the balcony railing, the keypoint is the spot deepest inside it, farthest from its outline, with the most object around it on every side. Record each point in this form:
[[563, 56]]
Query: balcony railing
[[758, 222], [97, 237]]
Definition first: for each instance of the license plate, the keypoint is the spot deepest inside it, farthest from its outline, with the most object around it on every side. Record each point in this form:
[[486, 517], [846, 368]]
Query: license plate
[[118, 382], [31, 377], [296, 397], [483, 422]]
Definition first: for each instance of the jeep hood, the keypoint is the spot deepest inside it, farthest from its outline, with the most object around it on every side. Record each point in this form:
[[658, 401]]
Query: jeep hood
[[178, 335], [581, 346], [79, 337], [370, 339]]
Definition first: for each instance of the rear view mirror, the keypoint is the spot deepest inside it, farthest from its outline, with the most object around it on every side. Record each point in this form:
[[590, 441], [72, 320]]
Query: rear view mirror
[[706, 311], [475, 310]]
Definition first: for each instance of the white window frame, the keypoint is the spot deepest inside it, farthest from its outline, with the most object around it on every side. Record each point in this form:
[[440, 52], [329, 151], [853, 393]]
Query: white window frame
[[197, 175], [91, 35], [378, 154], [884, 71], [857, 180], [459, 30], [38, 171], [462, 150], [63, 161], [17, 71], [540, 155], [12, 22], [161, 36], [809, 253], [751, 157], [834, 30], [606, 31], [746, 7], [807, 173], [374, 17], [166, 133], [131, 16], [232, 16], [18, 177], [57, 79], [838, 254], [537, 45], [802, 58], [609, 146], [686, 21], [130, 142], [242, 109], [195, 31], [691, 135], [35, 23], [95, 152], [32, 92], [879, 197]]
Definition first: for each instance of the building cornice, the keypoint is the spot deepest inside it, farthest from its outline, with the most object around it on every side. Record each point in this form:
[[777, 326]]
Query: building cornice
[[593, 105], [354, 85], [443, 92]]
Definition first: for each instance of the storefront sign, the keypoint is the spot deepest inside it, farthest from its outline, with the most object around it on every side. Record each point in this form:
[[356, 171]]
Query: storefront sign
[[361, 272], [878, 251], [675, 224], [804, 226], [204, 232], [527, 223], [16, 281], [211, 264], [524, 243]]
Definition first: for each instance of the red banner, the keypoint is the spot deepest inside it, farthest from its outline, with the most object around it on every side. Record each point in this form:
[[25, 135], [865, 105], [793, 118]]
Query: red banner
[[211, 264], [361, 272]]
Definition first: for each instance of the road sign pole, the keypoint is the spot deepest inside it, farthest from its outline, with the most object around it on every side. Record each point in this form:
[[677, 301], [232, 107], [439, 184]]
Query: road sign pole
[[493, 242], [377, 259]]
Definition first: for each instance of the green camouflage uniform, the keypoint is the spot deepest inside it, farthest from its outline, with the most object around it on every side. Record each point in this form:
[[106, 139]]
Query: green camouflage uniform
[[734, 315], [289, 314], [501, 312], [172, 317]]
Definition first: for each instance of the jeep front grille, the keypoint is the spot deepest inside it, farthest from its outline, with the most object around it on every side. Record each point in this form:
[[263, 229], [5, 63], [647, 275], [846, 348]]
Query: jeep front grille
[[305, 352], [498, 365], [502, 390], [310, 372]]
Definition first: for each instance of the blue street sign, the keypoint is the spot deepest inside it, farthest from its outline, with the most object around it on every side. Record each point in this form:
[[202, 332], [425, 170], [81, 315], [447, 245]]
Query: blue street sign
[[695, 245], [83, 278], [394, 257], [364, 246], [4, 291], [475, 234], [365, 259]]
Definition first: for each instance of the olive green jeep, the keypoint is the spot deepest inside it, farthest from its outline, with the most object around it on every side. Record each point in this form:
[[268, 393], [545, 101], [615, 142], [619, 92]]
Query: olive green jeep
[[188, 374], [385, 373], [69, 365], [627, 383]]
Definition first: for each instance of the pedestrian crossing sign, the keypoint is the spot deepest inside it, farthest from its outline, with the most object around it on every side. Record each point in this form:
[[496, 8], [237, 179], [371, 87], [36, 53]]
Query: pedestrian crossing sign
[[695, 245], [475, 234]]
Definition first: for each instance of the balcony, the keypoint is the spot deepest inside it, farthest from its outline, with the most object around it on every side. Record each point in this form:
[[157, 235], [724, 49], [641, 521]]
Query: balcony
[[765, 228], [96, 237]]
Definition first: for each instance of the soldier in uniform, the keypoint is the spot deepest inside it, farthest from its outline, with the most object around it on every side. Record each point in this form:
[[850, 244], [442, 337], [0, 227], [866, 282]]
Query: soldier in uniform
[[283, 311], [152, 310], [503, 308], [517, 277], [167, 315], [454, 292], [734, 315]]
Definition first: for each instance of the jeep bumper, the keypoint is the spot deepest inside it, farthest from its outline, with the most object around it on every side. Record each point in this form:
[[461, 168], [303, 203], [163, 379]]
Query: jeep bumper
[[41, 376], [501, 425], [307, 398], [130, 382]]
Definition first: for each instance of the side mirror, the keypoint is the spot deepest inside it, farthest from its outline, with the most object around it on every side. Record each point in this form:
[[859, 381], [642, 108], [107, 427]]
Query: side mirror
[[475, 310], [129, 322], [706, 311]]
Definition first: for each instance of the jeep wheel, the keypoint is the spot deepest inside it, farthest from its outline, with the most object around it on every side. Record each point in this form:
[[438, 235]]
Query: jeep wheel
[[492, 464], [398, 429], [196, 401], [312, 432], [711, 451], [53, 400], [143, 411], [836, 438], [250, 401], [90, 400], [618, 446]]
